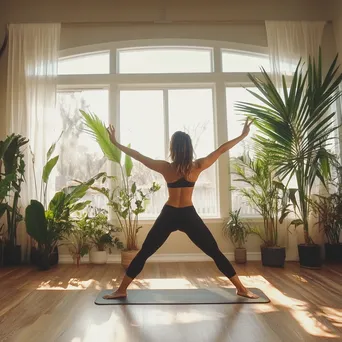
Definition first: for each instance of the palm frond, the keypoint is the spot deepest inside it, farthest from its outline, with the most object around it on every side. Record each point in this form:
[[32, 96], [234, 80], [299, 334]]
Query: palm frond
[[98, 131]]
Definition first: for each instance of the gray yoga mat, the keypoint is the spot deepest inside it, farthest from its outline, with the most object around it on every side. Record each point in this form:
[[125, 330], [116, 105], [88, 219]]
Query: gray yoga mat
[[181, 296]]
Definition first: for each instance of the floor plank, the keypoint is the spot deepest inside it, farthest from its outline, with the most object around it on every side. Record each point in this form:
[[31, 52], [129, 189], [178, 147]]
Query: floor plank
[[58, 305]]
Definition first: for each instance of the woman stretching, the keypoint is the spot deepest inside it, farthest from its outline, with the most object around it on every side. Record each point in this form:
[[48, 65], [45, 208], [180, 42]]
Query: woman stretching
[[179, 213]]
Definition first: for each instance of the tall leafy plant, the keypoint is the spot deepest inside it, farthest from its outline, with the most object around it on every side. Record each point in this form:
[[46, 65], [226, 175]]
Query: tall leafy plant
[[296, 127], [125, 199], [265, 193], [12, 156]]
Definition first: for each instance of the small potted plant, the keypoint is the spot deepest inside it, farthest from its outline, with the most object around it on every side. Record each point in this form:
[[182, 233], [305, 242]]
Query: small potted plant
[[267, 195], [237, 232], [101, 238], [78, 241]]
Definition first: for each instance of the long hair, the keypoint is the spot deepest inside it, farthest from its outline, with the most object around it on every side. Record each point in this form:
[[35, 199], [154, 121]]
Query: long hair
[[182, 152]]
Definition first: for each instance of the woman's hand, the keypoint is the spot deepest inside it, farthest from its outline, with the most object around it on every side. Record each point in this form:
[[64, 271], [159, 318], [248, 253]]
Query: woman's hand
[[246, 128], [111, 132]]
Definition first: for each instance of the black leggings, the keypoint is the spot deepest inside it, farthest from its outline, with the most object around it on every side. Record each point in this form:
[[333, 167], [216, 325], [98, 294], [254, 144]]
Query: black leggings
[[186, 220]]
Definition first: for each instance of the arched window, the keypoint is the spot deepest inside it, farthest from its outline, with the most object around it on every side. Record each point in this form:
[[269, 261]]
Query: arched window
[[149, 90]]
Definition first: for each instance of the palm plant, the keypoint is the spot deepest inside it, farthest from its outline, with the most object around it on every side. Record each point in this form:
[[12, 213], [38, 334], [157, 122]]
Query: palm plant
[[126, 200], [296, 127], [265, 193]]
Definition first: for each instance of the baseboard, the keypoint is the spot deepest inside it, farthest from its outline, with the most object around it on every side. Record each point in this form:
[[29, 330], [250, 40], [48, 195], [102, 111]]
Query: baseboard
[[186, 257]]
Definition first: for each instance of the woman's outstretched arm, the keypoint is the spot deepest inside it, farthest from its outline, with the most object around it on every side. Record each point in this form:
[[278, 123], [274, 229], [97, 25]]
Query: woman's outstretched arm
[[204, 163], [155, 165]]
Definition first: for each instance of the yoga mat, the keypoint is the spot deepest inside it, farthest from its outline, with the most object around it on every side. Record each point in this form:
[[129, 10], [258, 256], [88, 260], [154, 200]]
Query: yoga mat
[[181, 296]]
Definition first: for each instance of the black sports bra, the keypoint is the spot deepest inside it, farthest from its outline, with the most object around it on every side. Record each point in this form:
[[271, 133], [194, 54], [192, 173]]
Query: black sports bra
[[181, 183]]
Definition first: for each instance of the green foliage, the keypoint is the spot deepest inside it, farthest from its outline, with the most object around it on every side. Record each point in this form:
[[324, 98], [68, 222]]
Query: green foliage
[[50, 226], [296, 127], [126, 201], [96, 129], [100, 231], [36, 223], [265, 193], [11, 179], [235, 229], [47, 169], [328, 210]]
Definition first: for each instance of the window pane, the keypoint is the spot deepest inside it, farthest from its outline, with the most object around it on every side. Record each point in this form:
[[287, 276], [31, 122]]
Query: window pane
[[142, 126], [80, 157], [86, 64], [235, 125], [243, 62], [191, 110], [164, 60]]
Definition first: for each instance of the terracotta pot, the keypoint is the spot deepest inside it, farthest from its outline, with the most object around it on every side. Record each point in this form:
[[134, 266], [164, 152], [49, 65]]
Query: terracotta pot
[[240, 255], [127, 257]]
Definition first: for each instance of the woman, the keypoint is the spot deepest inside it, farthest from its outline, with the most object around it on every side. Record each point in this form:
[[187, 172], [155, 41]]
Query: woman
[[179, 213]]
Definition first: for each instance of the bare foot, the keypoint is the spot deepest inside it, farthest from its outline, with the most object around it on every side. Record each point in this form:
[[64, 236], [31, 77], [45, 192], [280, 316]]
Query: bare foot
[[116, 295], [247, 294]]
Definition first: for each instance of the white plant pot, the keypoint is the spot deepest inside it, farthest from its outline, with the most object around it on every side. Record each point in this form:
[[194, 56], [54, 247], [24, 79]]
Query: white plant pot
[[98, 257]]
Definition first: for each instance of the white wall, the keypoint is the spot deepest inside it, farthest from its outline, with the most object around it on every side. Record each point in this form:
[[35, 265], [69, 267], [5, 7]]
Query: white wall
[[90, 22]]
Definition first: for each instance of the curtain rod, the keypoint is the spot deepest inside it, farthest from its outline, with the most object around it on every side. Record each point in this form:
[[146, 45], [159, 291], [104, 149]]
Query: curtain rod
[[164, 22], [180, 22]]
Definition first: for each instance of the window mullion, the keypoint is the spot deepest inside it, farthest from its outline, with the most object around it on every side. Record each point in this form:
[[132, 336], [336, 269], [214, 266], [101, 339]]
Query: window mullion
[[223, 179], [166, 122]]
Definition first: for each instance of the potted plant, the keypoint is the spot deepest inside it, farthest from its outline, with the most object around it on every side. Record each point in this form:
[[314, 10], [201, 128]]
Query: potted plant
[[124, 198], [296, 128], [42, 197], [100, 235], [237, 232], [11, 154], [328, 210], [78, 239], [266, 194], [49, 226]]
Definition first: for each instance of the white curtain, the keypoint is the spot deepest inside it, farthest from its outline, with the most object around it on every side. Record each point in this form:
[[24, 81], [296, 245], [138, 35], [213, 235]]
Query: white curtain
[[31, 97], [289, 41]]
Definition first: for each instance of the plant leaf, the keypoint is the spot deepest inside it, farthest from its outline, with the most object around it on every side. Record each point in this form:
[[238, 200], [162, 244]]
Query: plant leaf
[[48, 168]]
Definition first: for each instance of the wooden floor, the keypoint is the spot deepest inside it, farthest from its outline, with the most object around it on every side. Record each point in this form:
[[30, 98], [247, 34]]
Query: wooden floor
[[58, 305]]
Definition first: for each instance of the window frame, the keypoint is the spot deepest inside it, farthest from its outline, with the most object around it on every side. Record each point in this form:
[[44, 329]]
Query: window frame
[[217, 80]]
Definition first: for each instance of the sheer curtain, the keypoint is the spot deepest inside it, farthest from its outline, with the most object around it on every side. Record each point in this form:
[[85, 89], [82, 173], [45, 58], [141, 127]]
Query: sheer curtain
[[288, 42], [31, 98]]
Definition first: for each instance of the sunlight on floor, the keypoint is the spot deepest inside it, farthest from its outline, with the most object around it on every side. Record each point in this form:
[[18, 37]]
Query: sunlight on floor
[[73, 284], [298, 309]]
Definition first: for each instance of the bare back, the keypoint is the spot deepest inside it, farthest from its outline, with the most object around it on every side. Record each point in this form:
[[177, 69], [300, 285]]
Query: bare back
[[180, 197]]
